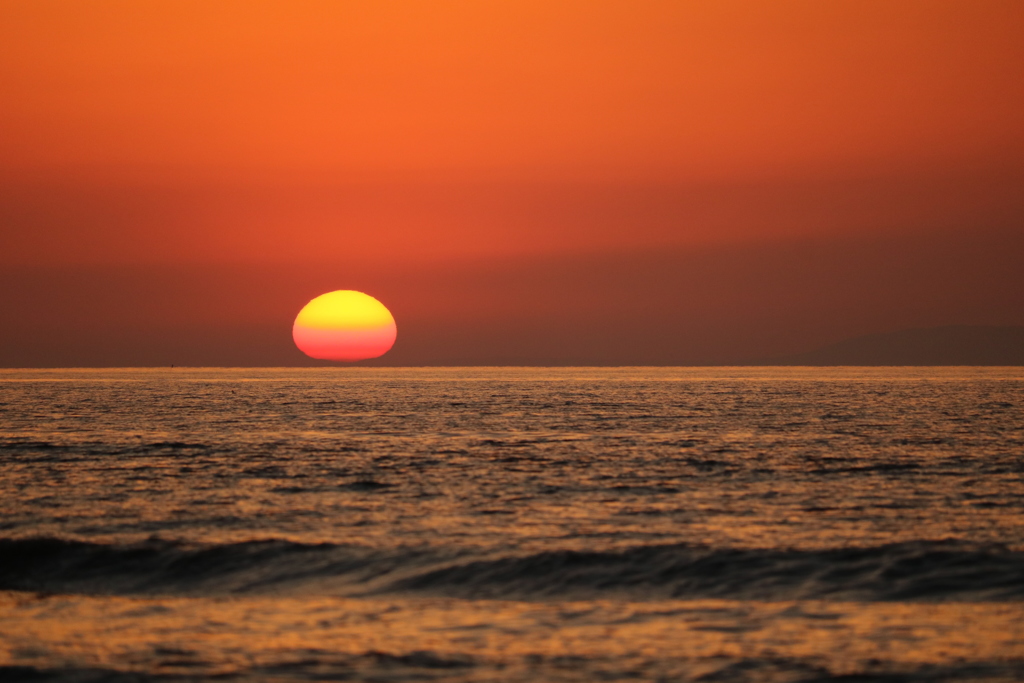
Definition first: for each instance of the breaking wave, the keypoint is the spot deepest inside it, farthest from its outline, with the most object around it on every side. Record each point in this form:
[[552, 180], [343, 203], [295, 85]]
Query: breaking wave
[[930, 571]]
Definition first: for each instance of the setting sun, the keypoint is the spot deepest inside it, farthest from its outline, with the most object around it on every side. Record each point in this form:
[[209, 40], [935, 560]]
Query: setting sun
[[344, 325]]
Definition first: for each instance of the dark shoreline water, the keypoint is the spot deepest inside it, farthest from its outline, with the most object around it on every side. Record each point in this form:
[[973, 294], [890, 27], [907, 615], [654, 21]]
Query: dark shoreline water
[[531, 524]]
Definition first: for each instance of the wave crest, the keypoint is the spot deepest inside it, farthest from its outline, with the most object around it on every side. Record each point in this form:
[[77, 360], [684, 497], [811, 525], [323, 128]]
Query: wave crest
[[896, 572]]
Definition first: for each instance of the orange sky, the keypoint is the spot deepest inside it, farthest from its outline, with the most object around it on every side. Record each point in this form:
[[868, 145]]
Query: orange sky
[[453, 137]]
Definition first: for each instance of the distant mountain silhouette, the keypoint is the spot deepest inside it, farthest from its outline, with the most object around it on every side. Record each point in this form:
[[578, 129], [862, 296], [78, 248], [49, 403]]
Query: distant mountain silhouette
[[951, 345]]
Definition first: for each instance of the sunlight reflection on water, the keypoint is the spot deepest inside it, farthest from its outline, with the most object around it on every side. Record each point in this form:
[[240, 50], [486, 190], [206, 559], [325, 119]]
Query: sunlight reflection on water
[[514, 523]]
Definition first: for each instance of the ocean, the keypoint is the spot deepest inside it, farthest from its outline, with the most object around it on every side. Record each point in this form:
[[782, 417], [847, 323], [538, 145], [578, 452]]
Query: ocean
[[512, 524]]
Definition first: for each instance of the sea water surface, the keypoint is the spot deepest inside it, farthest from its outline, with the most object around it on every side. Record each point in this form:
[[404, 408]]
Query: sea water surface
[[512, 524]]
